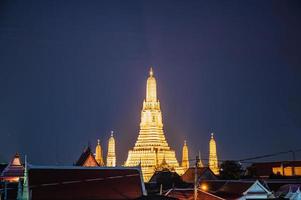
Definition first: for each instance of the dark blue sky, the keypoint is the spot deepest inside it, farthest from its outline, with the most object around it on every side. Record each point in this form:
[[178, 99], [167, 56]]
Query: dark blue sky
[[73, 71]]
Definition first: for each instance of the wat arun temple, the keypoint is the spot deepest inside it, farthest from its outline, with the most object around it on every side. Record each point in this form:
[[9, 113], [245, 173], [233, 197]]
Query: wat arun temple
[[151, 150]]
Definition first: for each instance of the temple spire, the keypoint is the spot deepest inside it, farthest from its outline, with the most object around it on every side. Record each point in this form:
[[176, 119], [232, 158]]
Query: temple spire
[[151, 87], [111, 157], [185, 160], [151, 145], [151, 72], [213, 161], [98, 154]]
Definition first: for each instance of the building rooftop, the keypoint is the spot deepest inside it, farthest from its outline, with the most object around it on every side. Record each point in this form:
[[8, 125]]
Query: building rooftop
[[87, 159], [53, 182], [13, 170], [202, 172]]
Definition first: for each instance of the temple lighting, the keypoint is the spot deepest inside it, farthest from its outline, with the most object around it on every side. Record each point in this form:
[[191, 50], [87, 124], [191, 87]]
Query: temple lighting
[[151, 148], [185, 159], [213, 161], [98, 154], [111, 157]]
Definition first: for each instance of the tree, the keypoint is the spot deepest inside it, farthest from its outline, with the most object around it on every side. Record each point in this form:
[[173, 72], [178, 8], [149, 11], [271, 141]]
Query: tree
[[231, 169]]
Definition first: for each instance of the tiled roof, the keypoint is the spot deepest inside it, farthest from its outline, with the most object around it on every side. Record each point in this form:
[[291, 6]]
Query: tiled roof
[[212, 185], [85, 183], [166, 174], [87, 154], [14, 168], [233, 189], [188, 176], [188, 194], [276, 184]]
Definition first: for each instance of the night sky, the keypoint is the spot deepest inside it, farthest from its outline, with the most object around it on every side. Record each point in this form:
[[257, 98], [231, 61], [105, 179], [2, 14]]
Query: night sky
[[73, 71]]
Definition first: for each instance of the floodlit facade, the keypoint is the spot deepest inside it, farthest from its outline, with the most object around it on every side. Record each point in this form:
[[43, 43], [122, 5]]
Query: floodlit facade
[[98, 154], [213, 161], [151, 148], [185, 159], [111, 157]]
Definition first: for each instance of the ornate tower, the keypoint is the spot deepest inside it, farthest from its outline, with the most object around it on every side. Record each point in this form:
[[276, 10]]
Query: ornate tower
[[111, 157], [151, 146], [213, 162], [185, 159], [98, 154]]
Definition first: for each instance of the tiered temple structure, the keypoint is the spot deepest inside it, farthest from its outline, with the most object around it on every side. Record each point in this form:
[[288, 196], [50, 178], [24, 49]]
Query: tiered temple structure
[[185, 159], [151, 148], [111, 157], [98, 154], [13, 171], [213, 161]]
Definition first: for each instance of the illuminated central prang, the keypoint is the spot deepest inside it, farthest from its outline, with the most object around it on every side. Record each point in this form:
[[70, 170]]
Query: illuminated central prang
[[151, 150]]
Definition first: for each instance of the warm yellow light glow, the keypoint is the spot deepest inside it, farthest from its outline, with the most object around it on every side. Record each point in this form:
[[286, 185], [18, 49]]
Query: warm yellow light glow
[[111, 158], [185, 159], [277, 170], [98, 154], [298, 171], [204, 187], [213, 161], [151, 147], [287, 171]]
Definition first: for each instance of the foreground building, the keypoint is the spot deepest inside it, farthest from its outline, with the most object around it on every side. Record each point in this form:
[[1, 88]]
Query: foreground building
[[13, 171], [203, 173], [240, 190], [87, 159], [188, 194], [63, 182], [151, 147], [280, 168]]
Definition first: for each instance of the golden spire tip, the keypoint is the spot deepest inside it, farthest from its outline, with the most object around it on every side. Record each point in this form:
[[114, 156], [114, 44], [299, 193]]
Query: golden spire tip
[[151, 72]]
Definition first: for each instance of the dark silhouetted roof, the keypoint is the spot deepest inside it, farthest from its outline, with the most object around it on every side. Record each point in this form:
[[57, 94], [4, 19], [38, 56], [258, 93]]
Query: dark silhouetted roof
[[14, 168], [233, 190], [204, 173], [85, 156], [213, 185], [85, 183], [188, 194], [276, 184], [265, 169], [2, 167], [11, 189]]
